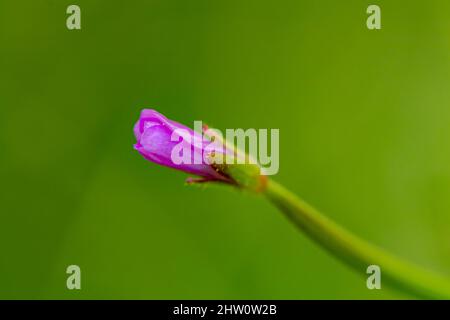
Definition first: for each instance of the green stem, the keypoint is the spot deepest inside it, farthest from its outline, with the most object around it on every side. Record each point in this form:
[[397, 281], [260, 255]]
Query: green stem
[[355, 251]]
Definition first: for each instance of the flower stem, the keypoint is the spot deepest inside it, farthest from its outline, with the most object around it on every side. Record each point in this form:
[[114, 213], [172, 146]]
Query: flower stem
[[355, 251]]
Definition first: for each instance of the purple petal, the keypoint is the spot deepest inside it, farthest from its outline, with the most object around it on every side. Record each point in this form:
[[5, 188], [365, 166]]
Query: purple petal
[[153, 133]]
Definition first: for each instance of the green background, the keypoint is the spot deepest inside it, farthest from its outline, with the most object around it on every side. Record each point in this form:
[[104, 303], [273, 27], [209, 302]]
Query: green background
[[364, 136]]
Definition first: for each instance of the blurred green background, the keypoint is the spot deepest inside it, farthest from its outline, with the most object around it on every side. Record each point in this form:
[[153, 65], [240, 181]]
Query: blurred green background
[[364, 136]]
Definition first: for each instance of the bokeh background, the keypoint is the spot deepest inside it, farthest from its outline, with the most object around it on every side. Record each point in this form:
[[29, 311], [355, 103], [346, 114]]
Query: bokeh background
[[364, 136]]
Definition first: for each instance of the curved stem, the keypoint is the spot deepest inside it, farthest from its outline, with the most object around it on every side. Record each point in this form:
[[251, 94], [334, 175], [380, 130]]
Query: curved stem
[[355, 251]]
